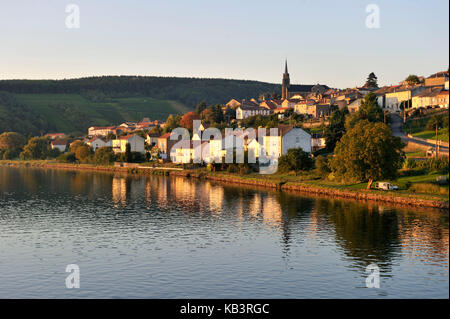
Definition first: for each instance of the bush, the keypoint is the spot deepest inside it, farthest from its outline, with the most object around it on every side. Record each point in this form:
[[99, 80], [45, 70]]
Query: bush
[[54, 153], [104, 156], [434, 165], [66, 158], [295, 160], [322, 167]]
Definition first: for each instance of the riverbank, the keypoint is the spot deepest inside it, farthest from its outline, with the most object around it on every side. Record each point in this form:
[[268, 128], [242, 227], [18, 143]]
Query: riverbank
[[278, 182]]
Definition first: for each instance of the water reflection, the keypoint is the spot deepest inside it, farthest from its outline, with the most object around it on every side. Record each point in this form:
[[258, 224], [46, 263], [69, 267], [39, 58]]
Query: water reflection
[[308, 233]]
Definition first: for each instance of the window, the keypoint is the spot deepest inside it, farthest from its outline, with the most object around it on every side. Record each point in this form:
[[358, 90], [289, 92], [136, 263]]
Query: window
[[297, 139]]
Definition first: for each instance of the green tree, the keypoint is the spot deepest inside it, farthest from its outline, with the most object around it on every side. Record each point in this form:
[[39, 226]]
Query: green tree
[[372, 81], [11, 144], [128, 156], [200, 107], [82, 153], [435, 120], [369, 109], [368, 152], [295, 160], [322, 166], [412, 79], [104, 156], [172, 122], [335, 129], [37, 148]]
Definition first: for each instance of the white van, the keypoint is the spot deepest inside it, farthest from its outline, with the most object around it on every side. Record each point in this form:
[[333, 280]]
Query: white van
[[385, 186]]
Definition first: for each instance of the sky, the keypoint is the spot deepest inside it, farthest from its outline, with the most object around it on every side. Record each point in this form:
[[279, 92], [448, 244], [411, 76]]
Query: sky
[[325, 42]]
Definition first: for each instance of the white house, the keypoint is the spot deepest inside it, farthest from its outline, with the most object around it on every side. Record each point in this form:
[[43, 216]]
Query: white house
[[137, 144], [243, 112], [96, 143], [59, 144], [288, 137]]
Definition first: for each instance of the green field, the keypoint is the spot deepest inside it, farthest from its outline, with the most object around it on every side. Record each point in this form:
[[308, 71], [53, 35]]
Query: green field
[[442, 134], [74, 113]]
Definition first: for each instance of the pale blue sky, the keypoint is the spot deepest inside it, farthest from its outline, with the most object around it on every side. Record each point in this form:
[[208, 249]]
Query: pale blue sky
[[324, 41]]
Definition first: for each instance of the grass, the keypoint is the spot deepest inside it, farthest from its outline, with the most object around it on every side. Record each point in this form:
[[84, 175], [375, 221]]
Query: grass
[[417, 127], [74, 113], [442, 134]]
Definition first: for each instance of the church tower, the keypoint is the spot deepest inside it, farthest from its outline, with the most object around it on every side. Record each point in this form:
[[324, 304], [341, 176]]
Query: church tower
[[285, 83]]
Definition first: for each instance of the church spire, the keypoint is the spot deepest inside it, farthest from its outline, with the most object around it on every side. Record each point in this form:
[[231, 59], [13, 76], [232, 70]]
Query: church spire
[[285, 83]]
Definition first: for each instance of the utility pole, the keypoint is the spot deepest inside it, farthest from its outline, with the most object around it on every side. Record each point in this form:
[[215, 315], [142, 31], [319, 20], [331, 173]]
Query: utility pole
[[437, 146]]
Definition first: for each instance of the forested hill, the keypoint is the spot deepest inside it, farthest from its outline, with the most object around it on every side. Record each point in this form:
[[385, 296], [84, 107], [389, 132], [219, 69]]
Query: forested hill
[[188, 91], [71, 106]]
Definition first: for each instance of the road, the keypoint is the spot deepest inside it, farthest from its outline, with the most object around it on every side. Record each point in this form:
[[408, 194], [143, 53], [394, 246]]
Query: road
[[396, 125]]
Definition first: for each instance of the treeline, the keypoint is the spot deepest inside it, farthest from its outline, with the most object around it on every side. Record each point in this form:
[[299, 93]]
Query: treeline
[[189, 91], [16, 117]]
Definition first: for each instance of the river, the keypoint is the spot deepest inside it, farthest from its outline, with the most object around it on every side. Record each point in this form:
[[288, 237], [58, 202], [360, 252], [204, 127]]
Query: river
[[172, 237]]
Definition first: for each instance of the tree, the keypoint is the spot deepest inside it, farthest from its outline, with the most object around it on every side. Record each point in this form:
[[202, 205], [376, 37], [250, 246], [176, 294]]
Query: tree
[[200, 107], [37, 148], [335, 129], [372, 81], [295, 160], [368, 152], [187, 120], [412, 79], [82, 152], [435, 120], [322, 165], [172, 122], [128, 156], [73, 146], [369, 109], [104, 156], [11, 144]]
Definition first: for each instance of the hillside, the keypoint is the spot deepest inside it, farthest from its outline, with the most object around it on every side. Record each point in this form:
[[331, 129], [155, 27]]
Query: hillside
[[71, 106]]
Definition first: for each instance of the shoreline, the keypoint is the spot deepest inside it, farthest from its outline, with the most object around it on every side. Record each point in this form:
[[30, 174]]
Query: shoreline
[[411, 200]]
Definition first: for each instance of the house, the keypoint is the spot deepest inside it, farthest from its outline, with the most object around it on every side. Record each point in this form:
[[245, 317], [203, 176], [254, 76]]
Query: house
[[289, 103], [288, 137], [233, 103], [59, 144], [354, 106], [137, 144], [394, 99], [270, 105], [313, 109], [431, 97], [317, 142], [102, 130], [151, 139], [96, 142], [54, 136], [244, 111], [437, 79], [165, 145]]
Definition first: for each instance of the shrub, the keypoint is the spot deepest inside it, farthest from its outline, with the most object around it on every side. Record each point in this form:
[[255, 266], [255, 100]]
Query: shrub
[[104, 156], [66, 158], [322, 167], [295, 160]]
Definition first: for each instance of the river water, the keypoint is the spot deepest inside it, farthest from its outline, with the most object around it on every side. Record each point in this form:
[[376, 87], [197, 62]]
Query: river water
[[169, 237]]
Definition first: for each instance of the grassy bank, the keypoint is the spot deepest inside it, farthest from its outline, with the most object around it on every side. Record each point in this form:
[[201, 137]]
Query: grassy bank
[[418, 190]]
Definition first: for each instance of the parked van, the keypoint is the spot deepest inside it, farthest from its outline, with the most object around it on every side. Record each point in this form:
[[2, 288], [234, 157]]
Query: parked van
[[385, 186]]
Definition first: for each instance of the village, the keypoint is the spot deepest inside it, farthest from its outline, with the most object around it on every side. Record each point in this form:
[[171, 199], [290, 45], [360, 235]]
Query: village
[[299, 114]]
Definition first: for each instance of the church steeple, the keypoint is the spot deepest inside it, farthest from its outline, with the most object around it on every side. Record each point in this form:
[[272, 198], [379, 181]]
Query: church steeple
[[285, 82]]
